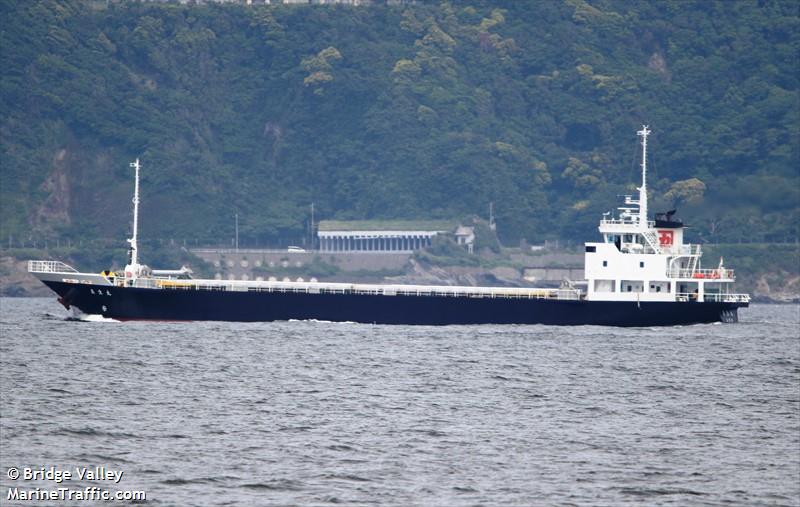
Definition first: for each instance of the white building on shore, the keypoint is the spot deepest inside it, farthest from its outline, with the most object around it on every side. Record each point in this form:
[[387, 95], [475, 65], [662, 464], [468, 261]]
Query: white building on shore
[[379, 235]]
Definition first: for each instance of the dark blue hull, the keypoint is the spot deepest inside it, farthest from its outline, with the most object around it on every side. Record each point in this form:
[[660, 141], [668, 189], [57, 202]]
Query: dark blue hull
[[187, 305]]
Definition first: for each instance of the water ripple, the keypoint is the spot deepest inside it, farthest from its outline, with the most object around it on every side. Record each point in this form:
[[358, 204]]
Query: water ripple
[[314, 413]]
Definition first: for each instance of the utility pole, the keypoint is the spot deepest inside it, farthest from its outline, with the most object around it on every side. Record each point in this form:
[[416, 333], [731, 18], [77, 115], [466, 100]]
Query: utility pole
[[311, 232]]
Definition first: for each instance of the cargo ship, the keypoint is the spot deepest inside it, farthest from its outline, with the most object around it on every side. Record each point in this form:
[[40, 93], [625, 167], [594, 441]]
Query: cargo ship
[[641, 273]]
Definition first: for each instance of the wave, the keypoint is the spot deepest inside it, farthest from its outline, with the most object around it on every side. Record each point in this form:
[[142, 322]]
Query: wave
[[316, 321], [95, 318]]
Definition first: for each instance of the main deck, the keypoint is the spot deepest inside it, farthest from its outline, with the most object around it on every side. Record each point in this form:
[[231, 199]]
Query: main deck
[[52, 270]]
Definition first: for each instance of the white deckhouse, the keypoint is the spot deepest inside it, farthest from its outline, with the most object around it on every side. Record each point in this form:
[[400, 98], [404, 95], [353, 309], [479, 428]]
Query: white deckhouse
[[643, 260]]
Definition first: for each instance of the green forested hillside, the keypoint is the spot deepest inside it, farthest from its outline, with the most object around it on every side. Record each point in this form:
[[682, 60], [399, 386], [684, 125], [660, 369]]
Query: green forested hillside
[[426, 111]]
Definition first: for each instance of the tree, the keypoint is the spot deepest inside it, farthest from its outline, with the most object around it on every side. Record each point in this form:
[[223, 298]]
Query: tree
[[686, 192], [320, 69]]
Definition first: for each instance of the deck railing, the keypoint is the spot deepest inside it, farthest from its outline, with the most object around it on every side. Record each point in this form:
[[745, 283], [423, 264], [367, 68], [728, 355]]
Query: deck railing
[[682, 249], [702, 274], [727, 298], [625, 223], [50, 267], [716, 298]]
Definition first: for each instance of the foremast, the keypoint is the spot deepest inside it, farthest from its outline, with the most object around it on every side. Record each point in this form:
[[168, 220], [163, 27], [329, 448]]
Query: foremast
[[133, 269]]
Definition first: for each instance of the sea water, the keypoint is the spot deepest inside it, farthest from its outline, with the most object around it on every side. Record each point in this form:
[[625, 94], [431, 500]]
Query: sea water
[[316, 413]]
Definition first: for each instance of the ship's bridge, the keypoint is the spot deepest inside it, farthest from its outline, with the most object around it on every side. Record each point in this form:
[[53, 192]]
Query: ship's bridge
[[631, 233]]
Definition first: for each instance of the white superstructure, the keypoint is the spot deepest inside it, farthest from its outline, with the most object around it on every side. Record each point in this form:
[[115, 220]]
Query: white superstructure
[[644, 260]]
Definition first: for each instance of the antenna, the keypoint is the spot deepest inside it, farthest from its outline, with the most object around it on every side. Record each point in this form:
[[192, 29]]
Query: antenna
[[492, 224], [236, 219], [643, 189]]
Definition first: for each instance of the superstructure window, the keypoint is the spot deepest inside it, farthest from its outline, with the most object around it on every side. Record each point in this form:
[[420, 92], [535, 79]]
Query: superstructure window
[[604, 286], [641, 264], [659, 286], [632, 286], [605, 264], [591, 249]]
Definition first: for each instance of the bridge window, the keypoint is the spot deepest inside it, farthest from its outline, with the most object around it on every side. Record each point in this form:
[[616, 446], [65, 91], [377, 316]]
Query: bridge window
[[605, 264], [641, 264], [591, 249]]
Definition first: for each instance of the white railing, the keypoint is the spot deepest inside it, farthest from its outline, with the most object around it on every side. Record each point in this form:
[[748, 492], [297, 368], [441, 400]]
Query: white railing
[[682, 249], [717, 298], [728, 298], [625, 222], [50, 267], [732, 298], [702, 274], [345, 288]]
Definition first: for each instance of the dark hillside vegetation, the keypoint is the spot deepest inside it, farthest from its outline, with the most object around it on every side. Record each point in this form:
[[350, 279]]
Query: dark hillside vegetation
[[426, 111]]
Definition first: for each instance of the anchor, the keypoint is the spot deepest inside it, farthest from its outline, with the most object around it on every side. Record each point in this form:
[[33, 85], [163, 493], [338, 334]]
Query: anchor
[[66, 299]]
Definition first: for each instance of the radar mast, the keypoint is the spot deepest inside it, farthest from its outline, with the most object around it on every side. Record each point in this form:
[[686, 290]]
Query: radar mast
[[643, 189]]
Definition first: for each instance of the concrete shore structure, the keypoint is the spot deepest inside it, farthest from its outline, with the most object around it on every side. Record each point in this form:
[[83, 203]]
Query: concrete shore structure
[[378, 236]]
